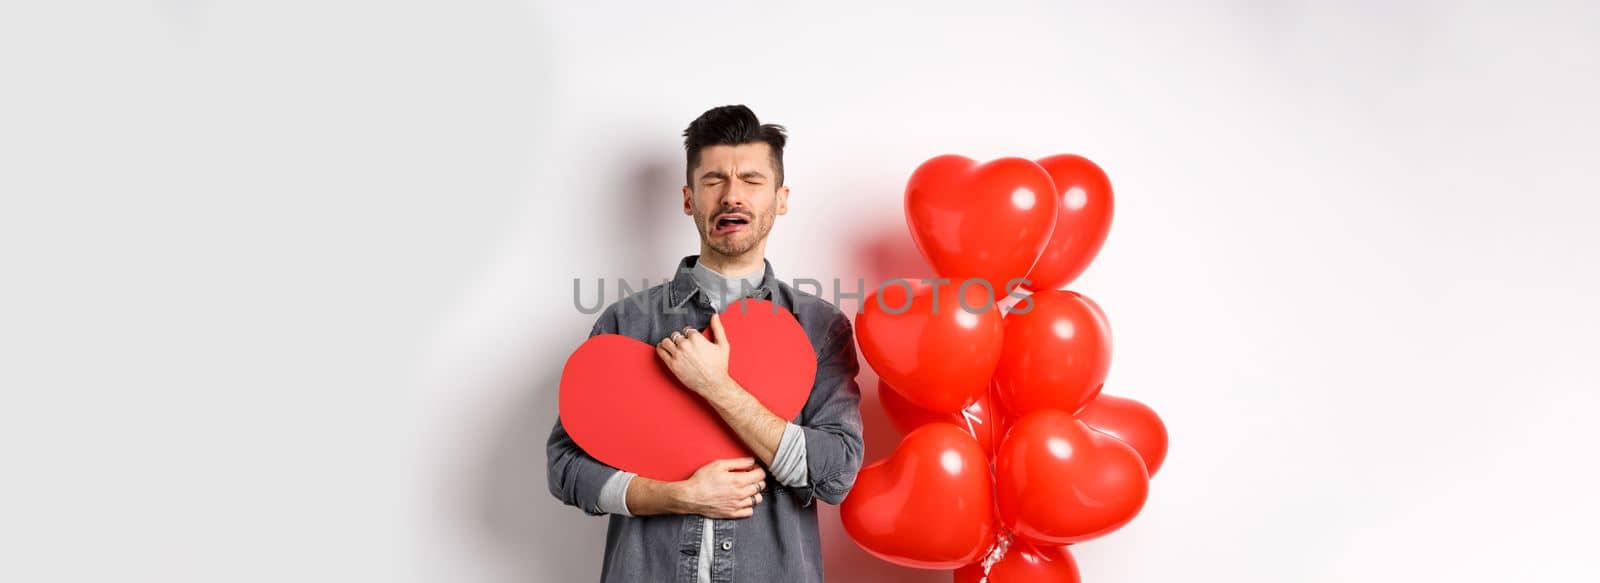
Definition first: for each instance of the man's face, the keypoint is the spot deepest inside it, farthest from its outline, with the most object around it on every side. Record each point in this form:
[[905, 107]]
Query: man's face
[[734, 197]]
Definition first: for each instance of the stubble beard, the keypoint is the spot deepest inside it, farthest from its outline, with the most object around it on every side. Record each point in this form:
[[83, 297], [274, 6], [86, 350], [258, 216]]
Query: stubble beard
[[740, 243]]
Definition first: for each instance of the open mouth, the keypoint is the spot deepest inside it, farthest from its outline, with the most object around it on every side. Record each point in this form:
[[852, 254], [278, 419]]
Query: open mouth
[[729, 223]]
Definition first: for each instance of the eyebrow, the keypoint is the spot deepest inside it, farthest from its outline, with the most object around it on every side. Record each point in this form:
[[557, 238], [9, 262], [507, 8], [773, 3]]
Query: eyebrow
[[746, 175]]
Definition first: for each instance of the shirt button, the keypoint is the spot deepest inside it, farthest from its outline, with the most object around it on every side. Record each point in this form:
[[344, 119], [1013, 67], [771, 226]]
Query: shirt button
[[727, 544]]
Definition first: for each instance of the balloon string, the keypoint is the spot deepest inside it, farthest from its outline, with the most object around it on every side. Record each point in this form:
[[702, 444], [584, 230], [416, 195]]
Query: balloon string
[[998, 551], [1003, 540], [969, 417]]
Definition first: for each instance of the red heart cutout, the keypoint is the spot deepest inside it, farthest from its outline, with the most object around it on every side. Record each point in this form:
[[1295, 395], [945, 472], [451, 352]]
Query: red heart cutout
[[988, 221], [624, 407], [929, 505]]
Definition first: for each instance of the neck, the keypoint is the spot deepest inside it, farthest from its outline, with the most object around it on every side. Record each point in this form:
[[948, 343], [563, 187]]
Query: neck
[[733, 265]]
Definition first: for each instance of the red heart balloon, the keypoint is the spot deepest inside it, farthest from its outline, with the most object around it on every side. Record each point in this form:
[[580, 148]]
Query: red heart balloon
[[979, 418], [1025, 565], [1134, 423], [1057, 353], [624, 407], [929, 505], [937, 350], [987, 221], [1059, 482], [1083, 217]]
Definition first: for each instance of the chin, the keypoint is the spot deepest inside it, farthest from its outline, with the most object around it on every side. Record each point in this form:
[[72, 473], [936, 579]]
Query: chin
[[730, 251], [732, 248], [738, 244]]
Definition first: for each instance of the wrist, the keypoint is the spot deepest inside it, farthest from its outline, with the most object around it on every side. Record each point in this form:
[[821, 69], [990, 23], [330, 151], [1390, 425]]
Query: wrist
[[716, 387], [677, 497]]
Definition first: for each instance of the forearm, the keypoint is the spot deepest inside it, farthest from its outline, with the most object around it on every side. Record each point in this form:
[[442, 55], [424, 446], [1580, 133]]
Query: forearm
[[756, 426], [647, 497]]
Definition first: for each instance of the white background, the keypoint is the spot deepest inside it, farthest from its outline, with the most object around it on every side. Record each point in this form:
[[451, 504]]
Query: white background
[[287, 284]]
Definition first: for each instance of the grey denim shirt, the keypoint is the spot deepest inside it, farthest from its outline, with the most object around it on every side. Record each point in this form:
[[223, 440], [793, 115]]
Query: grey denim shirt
[[780, 542]]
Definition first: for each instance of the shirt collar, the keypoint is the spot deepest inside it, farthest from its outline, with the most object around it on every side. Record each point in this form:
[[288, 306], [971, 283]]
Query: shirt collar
[[683, 286]]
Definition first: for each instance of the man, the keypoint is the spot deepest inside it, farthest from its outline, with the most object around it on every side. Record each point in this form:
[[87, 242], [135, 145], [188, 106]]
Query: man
[[749, 519]]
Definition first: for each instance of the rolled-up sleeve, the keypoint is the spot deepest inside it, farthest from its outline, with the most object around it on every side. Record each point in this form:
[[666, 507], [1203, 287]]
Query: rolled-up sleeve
[[576, 478], [789, 461], [831, 419]]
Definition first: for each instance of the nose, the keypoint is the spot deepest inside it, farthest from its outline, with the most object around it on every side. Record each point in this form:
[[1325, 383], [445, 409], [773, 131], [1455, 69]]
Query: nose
[[733, 197]]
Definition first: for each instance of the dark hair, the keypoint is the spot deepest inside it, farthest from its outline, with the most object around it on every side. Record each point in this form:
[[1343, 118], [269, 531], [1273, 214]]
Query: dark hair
[[732, 125]]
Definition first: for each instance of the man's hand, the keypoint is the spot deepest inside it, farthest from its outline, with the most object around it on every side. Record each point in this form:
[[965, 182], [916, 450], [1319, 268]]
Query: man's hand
[[723, 489], [701, 364]]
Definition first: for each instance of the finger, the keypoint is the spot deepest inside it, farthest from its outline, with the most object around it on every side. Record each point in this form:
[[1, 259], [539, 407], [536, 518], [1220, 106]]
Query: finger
[[754, 475], [745, 512], [758, 498], [738, 463], [749, 474], [716, 330]]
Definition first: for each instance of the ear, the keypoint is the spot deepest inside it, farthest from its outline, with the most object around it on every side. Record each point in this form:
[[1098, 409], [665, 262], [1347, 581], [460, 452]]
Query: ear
[[783, 200], [687, 208]]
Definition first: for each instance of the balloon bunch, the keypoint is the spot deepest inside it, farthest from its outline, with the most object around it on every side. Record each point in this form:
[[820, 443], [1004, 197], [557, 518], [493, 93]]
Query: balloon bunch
[[1011, 452]]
